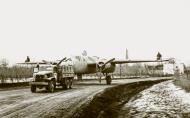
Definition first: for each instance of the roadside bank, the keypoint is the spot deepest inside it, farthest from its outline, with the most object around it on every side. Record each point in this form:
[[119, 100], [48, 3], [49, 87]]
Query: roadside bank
[[108, 103], [163, 100]]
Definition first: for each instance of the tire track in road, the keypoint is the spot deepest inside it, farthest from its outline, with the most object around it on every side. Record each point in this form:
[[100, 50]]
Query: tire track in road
[[25, 99], [47, 105], [21, 103]]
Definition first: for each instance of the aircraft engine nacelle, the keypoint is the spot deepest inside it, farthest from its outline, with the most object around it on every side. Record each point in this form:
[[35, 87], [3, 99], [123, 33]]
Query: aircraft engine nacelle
[[100, 66], [109, 68], [105, 68]]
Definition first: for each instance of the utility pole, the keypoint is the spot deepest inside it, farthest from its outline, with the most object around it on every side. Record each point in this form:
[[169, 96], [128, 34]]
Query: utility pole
[[120, 70], [127, 55]]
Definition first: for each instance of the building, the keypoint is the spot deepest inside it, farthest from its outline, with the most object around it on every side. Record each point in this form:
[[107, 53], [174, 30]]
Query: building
[[165, 69]]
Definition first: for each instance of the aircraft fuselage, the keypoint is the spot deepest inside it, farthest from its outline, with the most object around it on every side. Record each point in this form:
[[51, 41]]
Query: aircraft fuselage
[[82, 65]]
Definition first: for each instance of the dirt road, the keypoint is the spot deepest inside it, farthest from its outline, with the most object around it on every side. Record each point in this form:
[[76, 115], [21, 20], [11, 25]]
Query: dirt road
[[20, 103]]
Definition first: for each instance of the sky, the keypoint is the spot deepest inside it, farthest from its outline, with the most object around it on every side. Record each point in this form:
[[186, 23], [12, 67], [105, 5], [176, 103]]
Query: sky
[[52, 29]]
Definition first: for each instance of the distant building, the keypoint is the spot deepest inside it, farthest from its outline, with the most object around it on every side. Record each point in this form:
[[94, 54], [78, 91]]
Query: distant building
[[179, 67], [166, 69]]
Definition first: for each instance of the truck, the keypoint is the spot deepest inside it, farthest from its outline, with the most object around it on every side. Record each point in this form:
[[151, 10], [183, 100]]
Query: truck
[[51, 76]]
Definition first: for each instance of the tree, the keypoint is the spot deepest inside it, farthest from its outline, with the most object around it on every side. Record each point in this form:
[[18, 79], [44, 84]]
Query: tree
[[4, 62]]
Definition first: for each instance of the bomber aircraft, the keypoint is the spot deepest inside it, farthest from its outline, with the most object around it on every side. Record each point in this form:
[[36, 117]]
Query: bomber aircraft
[[88, 65]]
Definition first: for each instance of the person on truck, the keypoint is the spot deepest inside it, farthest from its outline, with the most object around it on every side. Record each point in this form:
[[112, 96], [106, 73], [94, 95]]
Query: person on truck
[[27, 59], [38, 66]]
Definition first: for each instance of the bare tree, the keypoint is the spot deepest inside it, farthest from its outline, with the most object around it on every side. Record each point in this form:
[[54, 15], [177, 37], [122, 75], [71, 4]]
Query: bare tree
[[4, 62]]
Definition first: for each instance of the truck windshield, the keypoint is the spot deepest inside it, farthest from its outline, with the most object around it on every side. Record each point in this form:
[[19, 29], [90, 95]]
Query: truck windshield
[[46, 68]]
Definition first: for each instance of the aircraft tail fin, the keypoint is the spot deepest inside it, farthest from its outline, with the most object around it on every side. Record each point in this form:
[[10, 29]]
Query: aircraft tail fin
[[84, 53]]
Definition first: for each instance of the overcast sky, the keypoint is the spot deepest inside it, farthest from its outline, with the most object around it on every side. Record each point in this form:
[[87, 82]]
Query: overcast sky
[[44, 29]]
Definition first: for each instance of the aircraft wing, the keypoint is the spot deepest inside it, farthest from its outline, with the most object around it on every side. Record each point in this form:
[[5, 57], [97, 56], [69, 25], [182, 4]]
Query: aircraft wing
[[32, 63], [44, 62], [137, 61], [132, 61]]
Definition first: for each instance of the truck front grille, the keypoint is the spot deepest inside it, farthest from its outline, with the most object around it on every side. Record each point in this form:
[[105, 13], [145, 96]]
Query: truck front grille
[[39, 78]]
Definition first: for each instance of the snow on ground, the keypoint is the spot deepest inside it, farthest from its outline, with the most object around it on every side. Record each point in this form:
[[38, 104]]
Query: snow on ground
[[161, 100]]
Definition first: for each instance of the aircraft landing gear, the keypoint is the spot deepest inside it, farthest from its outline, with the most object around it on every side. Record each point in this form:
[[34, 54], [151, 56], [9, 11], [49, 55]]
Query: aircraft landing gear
[[100, 80], [108, 79], [79, 77]]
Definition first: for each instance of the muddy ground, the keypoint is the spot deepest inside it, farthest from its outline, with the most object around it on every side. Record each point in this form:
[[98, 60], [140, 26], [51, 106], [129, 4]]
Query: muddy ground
[[76, 102]]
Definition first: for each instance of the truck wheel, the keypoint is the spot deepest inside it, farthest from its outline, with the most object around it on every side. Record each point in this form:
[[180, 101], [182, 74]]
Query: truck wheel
[[46, 88], [51, 86], [108, 80], [33, 88], [70, 83], [66, 84]]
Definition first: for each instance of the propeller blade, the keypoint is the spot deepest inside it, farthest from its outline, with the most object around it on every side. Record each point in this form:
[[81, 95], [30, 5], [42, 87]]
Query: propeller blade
[[68, 59], [61, 61], [109, 61], [102, 67]]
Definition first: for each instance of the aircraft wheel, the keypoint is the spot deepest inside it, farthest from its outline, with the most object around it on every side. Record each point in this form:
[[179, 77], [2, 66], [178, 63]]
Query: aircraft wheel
[[33, 88], [79, 77], [108, 80]]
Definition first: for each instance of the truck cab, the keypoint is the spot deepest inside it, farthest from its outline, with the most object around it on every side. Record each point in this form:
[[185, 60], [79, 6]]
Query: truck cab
[[51, 76]]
